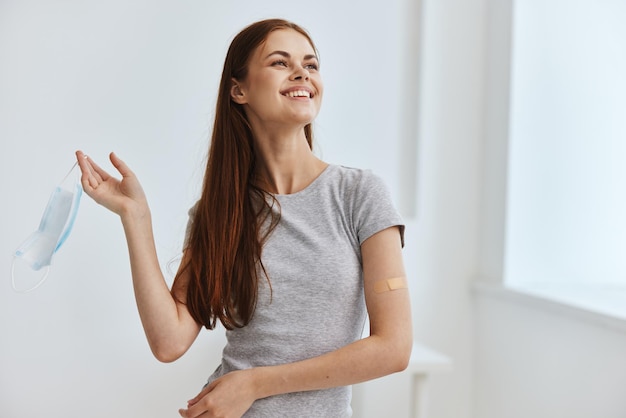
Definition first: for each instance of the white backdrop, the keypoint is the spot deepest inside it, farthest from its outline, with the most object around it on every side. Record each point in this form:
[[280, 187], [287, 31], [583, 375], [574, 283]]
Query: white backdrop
[[139, 78]]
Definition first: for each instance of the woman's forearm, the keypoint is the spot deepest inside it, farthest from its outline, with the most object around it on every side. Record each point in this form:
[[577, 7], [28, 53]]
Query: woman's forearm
[[363, 360]]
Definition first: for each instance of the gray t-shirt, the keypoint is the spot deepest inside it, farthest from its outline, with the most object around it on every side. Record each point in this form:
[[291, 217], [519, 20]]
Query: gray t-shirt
[[313, 260]]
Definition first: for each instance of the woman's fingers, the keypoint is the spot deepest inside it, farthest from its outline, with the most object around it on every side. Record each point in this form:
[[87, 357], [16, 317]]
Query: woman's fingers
[[100, 174], [93, 174], [88, 179], [120, 165], [199, 396], [190, 412]]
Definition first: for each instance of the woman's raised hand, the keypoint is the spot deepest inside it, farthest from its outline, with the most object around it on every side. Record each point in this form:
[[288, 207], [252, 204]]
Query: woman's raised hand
[[124, 197]]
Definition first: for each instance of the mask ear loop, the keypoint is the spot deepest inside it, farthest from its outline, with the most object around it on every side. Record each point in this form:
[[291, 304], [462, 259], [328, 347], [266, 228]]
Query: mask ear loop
[[78, 192], [43, 279]]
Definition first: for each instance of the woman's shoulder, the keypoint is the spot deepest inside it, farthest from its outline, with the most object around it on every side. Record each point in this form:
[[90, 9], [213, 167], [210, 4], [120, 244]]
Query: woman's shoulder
[[351, 174], [353, 178]]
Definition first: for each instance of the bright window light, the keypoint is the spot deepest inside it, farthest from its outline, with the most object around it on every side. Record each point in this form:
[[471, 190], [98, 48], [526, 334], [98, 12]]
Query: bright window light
[[566, 203]]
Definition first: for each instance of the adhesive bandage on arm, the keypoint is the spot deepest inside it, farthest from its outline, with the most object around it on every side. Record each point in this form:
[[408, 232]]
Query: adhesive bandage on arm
[[388, 285]]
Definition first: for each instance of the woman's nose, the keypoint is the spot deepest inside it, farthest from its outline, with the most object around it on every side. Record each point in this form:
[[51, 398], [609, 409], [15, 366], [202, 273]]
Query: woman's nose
[[301, 74]]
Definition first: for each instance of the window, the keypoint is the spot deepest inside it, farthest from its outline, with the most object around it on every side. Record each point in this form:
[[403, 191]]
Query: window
[[566, 220]]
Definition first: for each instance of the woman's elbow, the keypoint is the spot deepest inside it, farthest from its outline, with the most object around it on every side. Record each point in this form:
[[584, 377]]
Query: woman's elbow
[[165, 357], [394, 355], [167, 353], [402, 356]]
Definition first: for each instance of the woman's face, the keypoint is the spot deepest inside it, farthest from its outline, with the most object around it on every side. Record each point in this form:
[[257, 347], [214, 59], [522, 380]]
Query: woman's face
[[283, 85]]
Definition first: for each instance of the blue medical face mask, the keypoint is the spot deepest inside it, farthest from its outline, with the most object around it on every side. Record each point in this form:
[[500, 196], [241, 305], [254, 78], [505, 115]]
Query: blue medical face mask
[[54, 228]]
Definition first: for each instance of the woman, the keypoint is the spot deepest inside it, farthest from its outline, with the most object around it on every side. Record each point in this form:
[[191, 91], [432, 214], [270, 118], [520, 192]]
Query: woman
[[288, 252]]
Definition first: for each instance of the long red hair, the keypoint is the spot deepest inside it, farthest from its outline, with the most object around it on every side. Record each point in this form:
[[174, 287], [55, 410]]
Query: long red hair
[[230, 225]]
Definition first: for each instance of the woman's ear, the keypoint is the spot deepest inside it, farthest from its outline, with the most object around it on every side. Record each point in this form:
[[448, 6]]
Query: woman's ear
[[236, 93]]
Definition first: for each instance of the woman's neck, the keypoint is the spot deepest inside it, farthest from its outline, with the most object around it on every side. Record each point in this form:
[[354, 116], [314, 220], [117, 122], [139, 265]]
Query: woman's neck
[[286, 164]]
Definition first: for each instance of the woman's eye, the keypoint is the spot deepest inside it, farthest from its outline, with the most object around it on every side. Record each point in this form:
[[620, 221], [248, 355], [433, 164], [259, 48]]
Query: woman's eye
[[280, 63], [311, 66]]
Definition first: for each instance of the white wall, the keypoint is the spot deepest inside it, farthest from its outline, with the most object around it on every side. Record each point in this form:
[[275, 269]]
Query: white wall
[[449, 191], [545, 362], [139, 78]]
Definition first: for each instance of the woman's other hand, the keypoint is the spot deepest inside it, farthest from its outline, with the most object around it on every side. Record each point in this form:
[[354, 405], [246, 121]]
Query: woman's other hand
[[229, 396]]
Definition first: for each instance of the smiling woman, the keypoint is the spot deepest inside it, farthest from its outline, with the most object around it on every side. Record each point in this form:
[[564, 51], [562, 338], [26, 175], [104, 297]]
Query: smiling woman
[[284, 249]]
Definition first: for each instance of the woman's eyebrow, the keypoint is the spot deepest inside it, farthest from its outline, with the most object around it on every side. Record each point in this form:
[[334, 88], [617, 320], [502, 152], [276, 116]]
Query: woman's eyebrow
[[288, 55]]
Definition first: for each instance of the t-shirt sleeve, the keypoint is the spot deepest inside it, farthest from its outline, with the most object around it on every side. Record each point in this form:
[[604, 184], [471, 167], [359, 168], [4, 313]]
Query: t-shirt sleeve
[[192, 214], [374, 209]]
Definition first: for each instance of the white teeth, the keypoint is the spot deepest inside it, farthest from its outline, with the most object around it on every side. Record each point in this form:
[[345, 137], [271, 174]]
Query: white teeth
[[299, 93]]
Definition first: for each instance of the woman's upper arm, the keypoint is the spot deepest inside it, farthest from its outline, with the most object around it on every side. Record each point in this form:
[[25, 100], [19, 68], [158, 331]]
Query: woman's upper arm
[[188, 327], [388, 307]]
